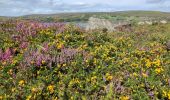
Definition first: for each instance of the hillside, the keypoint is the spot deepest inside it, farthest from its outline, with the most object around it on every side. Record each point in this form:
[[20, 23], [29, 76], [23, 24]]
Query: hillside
[[85, 16]]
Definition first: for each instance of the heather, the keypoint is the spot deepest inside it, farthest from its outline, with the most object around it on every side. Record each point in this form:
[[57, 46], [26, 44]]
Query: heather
[[58, 61]]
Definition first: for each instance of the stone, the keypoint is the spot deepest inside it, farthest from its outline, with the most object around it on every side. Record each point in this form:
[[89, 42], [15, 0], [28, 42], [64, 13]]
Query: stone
[[168, 45]]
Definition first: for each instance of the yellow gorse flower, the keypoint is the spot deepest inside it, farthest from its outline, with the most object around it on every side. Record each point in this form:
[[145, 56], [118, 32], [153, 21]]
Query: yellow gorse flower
[[157, 62], [109, 77], [166, 94], [21, 82], [59, 45], [148, 63], [134, 65], [33, 90], [124, 98], [159, 70], [93, 79], [144, 75], [50, 88], [135, 74], [13, 89], [74, 81], [43, 61], [28, 97]]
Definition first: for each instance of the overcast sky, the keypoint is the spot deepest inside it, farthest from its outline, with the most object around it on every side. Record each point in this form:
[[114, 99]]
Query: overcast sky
[[25, 7]]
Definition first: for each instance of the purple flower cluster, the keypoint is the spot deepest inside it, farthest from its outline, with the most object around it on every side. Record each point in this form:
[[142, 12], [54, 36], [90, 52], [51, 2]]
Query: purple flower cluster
[[23, 45], [66, 55], [5, 55], [31, 28], [36, 58], [42, 57]]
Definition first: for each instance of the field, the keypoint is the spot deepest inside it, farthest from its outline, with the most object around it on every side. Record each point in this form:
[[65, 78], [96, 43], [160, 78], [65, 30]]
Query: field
[[59, 61]]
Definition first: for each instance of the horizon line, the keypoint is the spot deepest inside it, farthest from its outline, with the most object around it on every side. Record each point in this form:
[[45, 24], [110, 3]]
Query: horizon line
[[76, 12]]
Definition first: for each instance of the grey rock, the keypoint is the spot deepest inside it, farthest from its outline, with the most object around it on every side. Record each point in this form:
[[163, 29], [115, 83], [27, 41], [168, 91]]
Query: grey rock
[[96, 23], [168, 45]]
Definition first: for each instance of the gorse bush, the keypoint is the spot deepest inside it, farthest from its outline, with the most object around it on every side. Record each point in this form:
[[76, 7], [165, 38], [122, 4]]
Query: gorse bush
[[57, 61]]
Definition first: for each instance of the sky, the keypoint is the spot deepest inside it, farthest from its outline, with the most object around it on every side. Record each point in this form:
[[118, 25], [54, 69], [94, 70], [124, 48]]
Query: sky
[[26, 7]]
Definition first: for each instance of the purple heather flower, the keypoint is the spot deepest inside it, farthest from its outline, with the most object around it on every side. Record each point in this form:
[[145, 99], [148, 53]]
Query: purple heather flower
[[45, 47], [24, 45], [151, 94], [7, 54]]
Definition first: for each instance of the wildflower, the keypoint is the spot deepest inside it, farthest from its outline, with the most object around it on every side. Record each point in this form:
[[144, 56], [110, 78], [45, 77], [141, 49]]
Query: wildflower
[[74, 82], [158, 70], [134, 65], [24, 45], [64, 65], [55, 98], [21, 82], [28, 97], [108, 77], [164, 93], [93, 79], [157, 62], [144, 75], [50, 88], [43, 61], [135, 74], [7, 54], [124, 98], [148, 63], [34, 89], [168, 95], [45, 47], [59, 45], [13, 89]]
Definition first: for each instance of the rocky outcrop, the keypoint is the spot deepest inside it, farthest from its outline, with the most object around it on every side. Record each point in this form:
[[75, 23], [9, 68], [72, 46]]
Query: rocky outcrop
[[97, 23], [163, 21], [152, 22], [104, 24]]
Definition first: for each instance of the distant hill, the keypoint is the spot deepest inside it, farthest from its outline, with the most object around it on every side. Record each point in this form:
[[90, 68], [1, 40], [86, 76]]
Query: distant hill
[[69, 17]]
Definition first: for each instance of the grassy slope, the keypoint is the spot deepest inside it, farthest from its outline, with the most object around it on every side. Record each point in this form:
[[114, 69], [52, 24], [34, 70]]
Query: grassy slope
[[85, 16]]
